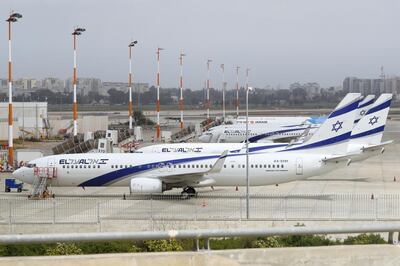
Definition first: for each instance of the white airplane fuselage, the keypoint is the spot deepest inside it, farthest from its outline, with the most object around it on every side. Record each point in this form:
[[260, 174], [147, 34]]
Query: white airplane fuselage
[[118, 169]]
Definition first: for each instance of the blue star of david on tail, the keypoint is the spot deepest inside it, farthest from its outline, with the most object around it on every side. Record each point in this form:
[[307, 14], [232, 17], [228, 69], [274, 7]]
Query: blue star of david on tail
[[337, 126], [373, 120]]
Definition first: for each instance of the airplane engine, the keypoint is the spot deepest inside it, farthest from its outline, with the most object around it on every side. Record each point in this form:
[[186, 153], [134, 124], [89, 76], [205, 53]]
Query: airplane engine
[[146, 185]]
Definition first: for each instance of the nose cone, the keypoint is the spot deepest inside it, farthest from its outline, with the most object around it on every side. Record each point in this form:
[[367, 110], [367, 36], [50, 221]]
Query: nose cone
[[24, 174], [205, 138]]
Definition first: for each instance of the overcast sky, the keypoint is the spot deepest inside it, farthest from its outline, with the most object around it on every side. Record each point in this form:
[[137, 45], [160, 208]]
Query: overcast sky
[[281, 41]]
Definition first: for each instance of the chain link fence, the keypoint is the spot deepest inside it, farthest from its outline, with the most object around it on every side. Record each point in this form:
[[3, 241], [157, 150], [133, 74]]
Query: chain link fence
[[341, 207]]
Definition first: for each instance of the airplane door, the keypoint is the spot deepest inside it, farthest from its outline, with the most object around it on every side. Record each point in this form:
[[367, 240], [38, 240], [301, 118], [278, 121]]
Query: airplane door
[[299, 166], [50, 162]]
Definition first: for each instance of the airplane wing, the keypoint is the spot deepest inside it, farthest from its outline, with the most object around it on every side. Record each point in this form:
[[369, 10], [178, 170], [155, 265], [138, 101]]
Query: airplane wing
[[196, 176]]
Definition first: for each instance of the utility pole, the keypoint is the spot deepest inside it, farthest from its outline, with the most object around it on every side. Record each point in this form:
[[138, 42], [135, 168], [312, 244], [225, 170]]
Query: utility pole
[[181, 55]]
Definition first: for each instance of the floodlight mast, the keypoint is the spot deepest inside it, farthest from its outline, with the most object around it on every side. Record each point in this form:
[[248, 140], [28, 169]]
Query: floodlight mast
[[181, 55], [208, 88], [132, 44], [237, 90], [77, 31], [158, 131], [11, 19]]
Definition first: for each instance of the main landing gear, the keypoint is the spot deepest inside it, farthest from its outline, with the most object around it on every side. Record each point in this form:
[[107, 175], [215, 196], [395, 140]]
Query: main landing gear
[[188, 192]]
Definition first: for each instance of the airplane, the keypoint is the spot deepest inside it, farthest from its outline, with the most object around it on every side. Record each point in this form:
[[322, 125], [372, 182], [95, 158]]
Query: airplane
[[147, 173], [273, 132], [365, 136]]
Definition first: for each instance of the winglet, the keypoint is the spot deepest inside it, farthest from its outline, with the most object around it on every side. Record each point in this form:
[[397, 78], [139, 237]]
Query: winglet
[[217, 167]]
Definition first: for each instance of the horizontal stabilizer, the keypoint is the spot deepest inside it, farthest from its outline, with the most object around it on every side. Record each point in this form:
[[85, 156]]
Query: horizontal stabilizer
[[337, 159], [376, 147]]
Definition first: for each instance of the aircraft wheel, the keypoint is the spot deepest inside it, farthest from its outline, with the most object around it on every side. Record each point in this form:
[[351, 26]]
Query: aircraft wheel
[[188, 192]]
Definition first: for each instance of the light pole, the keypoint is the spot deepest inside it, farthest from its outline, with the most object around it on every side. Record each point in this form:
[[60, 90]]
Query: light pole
[[247, 77], [208, 88], [12, 18], [223, 90], [181, 55], [76, 32], [132, 44], [247, 154], [237, 90], [158, 94]]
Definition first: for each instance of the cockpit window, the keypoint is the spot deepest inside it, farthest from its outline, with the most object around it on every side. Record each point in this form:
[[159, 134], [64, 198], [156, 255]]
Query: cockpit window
[[31, 165]]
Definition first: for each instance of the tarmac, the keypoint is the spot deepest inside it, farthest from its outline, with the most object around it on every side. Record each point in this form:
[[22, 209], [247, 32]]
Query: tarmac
[[379, 175]]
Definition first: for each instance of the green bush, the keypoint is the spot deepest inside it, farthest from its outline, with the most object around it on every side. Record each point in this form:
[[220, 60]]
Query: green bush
[[109, 247], [268, 242], [63, 249], [162, 245], [306, 241], [364, 239], [231, 243]]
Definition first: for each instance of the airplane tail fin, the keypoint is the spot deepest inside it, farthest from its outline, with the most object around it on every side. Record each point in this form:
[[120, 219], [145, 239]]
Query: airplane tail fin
[[364, 106], [369, 130], [334, 134]]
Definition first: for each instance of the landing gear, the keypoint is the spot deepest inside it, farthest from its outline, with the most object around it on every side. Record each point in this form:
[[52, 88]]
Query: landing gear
[[188, 192]]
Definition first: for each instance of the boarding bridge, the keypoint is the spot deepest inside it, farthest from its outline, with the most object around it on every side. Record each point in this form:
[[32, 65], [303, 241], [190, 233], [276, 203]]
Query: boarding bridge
[[77, 144]]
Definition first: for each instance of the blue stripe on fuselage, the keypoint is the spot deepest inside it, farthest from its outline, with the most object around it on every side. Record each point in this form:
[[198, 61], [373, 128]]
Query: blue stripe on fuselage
[[115, 176], [322, 143]]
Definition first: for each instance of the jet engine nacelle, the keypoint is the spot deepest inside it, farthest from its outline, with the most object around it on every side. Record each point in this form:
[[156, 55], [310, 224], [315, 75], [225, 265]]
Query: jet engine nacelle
[[146, 185]]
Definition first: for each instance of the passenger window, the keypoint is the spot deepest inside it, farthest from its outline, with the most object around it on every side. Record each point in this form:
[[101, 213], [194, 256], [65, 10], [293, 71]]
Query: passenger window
[[84, 166], [121, 166], [243, 166], [80, 166], [251, 166], [89, 166], [184, 166], [224, 165], [256, 166], [210, 165], [277, 166], [232, 166], [269, 166], [265, 166], [98, 166], [126, 166], [63, 166], [273, 166], [238, 165], [67, 166], [282, 166], [197, 166]]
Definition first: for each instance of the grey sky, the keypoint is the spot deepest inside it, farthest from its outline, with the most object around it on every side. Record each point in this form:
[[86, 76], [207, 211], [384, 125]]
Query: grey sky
[[281, 41]]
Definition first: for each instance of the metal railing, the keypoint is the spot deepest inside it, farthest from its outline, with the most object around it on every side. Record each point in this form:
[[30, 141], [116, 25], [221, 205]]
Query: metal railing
[[205, 234], [210, 207]]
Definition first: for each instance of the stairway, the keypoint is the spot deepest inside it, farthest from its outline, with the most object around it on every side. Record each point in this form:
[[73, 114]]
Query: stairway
[[39, 187]]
